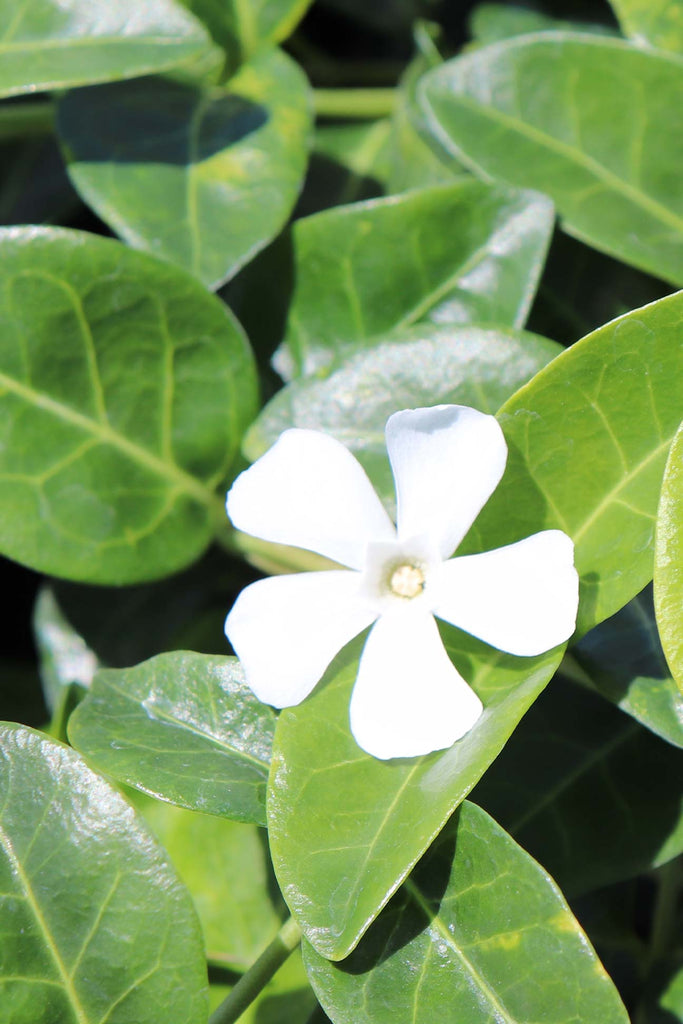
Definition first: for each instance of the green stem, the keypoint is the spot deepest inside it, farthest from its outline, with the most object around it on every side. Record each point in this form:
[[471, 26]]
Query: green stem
[[366, 104], [26, 120], [259, 974]]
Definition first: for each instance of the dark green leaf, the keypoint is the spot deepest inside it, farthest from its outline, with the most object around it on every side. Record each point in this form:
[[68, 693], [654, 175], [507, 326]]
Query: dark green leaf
[[228, 162], [657, 23], [49, 44], [96, 925], [479, 927], [362, 271], [623, 659], [587, 444], [126, 388], [586, 790], [583, 119], [669, 560], [336, 879], [425, 365], [182, 727]]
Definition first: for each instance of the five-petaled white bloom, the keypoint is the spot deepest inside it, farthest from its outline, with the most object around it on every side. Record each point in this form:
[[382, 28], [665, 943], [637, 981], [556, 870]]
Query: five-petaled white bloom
[[309, 491]]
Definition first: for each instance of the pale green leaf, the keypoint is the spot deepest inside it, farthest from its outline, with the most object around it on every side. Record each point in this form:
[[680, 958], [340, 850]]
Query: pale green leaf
[[125, 390], [96, 925], [669, 560], [657, 23], [584, 119]]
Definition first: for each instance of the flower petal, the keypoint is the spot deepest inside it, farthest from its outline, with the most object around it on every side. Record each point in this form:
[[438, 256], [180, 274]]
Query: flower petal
[[287, 629], [521, 598], [309, 491], [408, 698], [447, 461]]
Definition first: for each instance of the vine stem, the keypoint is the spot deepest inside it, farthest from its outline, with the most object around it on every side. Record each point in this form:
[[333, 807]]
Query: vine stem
[[26, 120], [259, 974], [366, 104]]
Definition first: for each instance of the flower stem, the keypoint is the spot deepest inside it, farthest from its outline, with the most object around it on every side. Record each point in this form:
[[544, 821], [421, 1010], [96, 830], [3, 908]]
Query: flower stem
[[26, 120], [259, 974], [366, 104]]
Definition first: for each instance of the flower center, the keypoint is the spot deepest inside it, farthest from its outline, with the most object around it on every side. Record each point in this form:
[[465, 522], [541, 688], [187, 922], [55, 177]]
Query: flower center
[[407, 580]]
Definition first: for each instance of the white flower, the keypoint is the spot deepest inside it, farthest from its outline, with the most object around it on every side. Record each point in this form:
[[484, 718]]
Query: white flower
[[309, 491]]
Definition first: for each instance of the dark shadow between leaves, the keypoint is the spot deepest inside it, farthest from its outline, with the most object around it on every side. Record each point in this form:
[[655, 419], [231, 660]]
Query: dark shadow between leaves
[[154, 120]]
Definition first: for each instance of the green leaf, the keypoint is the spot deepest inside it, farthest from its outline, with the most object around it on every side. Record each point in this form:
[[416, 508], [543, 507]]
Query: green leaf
[[657, 23], [226, 868], [65, 658], [424, 365], [349, 163], [491, 23], [575, 787], [50, 44], [669, 560], [182, 727], [583, 119], [478, 924], [623, 660], [125, 391], [336, 880], [362, 271], [96, 925], [587, 444], [227, 161], [243, 26]]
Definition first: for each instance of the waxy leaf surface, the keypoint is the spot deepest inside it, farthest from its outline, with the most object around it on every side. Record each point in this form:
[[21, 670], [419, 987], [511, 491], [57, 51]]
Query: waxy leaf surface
[[583, 119], [96, 925], [182, 727], [587, 441], [420, 366], [125, 390], [228, 162], [575, 786], [669, 560], [345, 828], [370, 268], [622, 659], [54, 44], [478, 927], [657, 23]]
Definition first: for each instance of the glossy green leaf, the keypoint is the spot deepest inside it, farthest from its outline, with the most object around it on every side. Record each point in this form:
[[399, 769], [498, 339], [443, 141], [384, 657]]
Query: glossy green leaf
[[362, 271], [243, 26], [226, 868], [336, 880], [96, 925], [478, 928], [587, 444], [657, 23], [669, 560], [424, 365], [583, 119], [491, 23], [228, 161], [182, 727], [125, 390], [622, 658], [575, 786], [52, 44]]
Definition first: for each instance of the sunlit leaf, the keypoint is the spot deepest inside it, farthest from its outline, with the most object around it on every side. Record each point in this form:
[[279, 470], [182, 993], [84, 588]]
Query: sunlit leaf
[[657, 23], [96, 925], [669, 560]]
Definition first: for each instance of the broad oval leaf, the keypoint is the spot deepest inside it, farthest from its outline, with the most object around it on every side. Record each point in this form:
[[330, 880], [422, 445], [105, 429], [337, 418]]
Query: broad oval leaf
[[96, 925], [423, 365], [583, 119], [125, 390], [182, 727], [364, 270], [54, 44], [669, 560], [478, 927], [587, 444], [575, 787], [657, 23], [227, 161], [336, 874]]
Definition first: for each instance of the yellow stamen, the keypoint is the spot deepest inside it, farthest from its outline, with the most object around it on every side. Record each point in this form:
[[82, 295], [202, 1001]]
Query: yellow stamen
[[407, 581]]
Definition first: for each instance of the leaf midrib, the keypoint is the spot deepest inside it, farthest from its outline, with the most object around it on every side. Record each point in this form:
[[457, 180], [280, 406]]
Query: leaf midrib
[[104, 433]]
